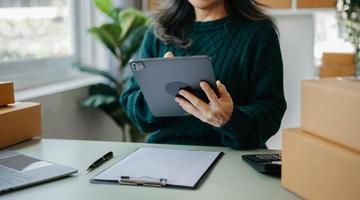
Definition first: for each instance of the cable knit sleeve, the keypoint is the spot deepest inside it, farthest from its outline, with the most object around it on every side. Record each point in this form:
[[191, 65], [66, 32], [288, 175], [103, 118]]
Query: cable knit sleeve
[[132, 99]]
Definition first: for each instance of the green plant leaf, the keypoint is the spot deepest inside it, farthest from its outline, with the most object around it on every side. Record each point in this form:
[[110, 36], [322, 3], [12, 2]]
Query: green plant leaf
[[114, 30], [123, 38], [105, 6], [131, 43], [95, 71], [129, 19], [101, 95], [104, 89], [108, 34], [98, 100]]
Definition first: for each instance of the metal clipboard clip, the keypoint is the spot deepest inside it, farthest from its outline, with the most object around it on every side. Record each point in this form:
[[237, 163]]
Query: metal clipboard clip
[[143, 181]]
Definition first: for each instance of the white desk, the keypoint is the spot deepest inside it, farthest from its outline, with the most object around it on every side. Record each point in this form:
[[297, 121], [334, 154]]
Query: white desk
[[231, 178]]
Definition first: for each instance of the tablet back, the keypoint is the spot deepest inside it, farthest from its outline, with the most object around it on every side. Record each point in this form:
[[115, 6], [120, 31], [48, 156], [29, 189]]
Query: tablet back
[[160, 80]]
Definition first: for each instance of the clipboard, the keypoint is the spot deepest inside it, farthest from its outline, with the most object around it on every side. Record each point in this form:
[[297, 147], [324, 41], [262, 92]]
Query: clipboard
[[160, 168]]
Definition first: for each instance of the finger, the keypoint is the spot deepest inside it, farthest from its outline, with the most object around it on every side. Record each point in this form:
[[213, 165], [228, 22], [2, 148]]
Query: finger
[[188, 107], [211, 95], [198, 103], [222, 89], [169, 54]]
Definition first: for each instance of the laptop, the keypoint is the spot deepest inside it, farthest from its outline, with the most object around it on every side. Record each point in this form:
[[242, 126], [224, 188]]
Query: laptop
[[18, 171]]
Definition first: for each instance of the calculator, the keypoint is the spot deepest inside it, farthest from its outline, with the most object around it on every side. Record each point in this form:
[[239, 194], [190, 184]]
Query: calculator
[[265, 163]]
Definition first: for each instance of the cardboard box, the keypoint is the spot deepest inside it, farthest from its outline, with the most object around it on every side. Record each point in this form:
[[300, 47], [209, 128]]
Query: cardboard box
[[6, 93], [19, 122], [336, 71], [316, 3], [330, 108], [276, 3], [337, 64], [315, 168], [152, 5], [337, 59]]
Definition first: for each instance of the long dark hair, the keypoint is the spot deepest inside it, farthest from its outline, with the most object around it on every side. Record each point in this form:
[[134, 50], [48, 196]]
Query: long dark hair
[[174, 19]]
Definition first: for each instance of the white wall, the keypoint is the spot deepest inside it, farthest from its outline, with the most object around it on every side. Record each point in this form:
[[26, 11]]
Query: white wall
[[297, 45], [64, 118]]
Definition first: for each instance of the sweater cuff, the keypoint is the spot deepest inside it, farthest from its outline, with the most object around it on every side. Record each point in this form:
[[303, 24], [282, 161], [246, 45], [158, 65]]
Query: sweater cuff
[[240, 122]]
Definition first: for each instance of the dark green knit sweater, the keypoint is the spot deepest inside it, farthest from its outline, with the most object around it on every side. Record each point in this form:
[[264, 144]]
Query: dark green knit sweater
[[246, 57]]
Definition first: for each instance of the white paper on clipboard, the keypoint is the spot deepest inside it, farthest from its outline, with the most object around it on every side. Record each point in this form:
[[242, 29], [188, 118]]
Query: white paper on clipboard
[[181, 168]]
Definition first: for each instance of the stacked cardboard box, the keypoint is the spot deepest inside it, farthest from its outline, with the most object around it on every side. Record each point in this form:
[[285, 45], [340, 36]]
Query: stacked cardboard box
[[337, 64], [321, 160], [6, 93], [18, 121], [316, 3], [276, 3]]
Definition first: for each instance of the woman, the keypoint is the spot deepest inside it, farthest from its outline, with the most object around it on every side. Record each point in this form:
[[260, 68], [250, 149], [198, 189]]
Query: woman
[[243, 44]]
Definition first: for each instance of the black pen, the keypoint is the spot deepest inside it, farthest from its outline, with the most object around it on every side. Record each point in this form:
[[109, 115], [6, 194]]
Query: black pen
[[100, 161]]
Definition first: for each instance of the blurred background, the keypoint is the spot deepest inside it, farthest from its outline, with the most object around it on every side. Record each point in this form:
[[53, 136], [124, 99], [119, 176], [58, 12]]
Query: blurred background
[[71, 56]]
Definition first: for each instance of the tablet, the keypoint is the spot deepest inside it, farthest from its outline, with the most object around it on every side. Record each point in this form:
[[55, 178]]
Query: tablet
[[160, 80]]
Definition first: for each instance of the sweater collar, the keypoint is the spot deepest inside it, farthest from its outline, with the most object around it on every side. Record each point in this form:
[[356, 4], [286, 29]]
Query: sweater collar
[[210, 25]]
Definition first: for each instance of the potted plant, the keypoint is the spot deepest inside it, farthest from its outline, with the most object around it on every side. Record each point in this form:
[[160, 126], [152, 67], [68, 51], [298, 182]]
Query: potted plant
[[349, 21], [122, 36]]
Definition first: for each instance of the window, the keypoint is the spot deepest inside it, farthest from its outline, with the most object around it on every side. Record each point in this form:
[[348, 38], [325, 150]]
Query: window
[[41, 39], [328, 36], [34, 29]]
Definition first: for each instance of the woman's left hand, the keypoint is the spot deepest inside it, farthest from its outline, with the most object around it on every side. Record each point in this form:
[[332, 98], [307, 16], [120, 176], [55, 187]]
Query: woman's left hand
[[216, 113]]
